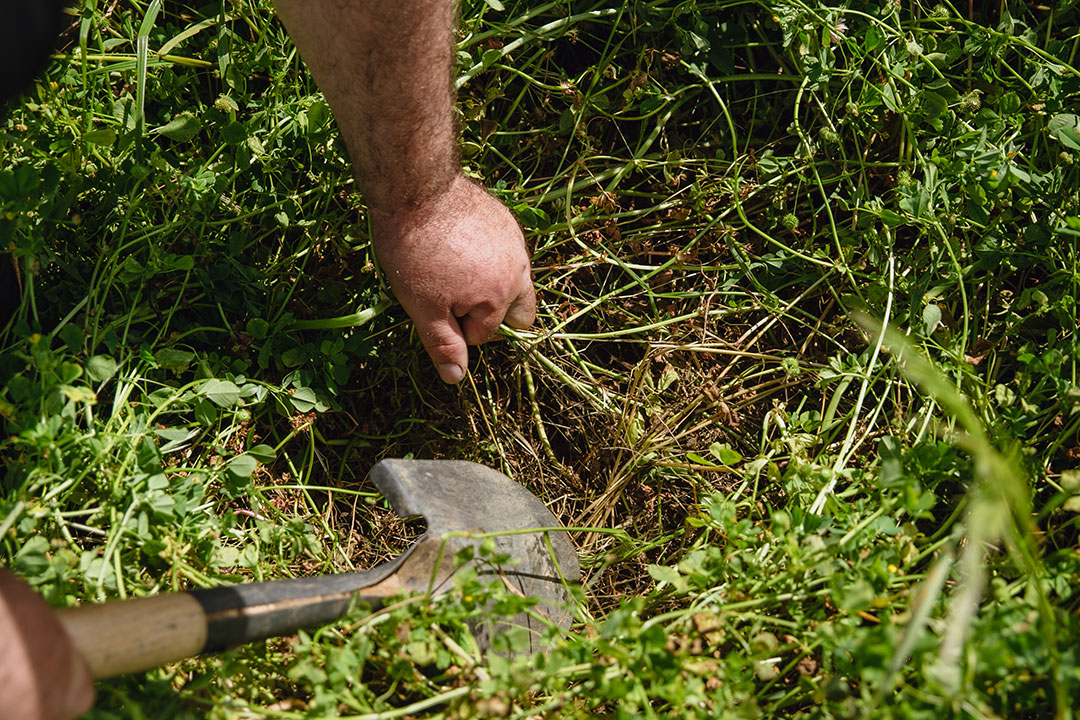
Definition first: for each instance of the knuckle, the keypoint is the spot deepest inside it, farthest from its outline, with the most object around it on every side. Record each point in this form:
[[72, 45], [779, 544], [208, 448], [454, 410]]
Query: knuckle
[[440, 344]]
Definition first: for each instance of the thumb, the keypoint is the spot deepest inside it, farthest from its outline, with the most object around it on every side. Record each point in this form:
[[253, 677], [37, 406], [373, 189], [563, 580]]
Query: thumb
[[444, 341]]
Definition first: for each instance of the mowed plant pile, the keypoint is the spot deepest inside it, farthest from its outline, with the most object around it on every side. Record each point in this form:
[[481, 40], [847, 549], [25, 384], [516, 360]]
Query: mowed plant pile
[[782, 509]]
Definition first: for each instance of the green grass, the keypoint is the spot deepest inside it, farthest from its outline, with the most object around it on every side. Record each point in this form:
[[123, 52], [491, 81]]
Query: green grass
[[781, 509]]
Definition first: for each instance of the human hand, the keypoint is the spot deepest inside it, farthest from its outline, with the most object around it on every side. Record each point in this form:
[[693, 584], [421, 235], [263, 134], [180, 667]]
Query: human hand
[[42, 676], [459, 267]]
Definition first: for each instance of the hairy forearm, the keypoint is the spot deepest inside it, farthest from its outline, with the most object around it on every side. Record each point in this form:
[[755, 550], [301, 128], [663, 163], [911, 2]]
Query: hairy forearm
[[385, 68], [453, 255]]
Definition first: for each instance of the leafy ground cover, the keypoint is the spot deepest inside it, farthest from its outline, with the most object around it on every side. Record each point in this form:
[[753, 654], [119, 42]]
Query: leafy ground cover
[[782, 510]]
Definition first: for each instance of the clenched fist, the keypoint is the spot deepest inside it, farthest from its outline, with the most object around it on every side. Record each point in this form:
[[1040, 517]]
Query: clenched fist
[[458, 265]]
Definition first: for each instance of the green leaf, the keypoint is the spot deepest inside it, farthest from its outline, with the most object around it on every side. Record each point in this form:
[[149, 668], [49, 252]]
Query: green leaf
[[891, 219], [263, 453], [724, 453], [257, 328], [938, 59], [888, 96], [234, 133], [100, 368], [78, 394], [873, 40], [885, 525], [236, 79], [226, 557], [178, 262], [931, 318], [917, 203], [668, 378], [303, 399], [664, 573], [854, 596], [695, 458], [72, 335], [162, 503], [490, 57], [242, 465], [495, 5], [532, 218], [205, 412], [318, 114], [175, 438], [1021, 175], [933, 105], [106, 136], [19, 184], [293, 357], [175, 360], [1065, 128], [31, 559], [69, 372], [183, 128], [221, 392], [131, 271]]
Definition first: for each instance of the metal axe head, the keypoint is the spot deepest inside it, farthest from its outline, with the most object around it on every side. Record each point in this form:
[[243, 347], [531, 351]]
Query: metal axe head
[[461, 500]]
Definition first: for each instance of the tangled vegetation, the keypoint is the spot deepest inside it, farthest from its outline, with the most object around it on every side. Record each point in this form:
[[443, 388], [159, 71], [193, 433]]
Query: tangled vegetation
[[782, 508]]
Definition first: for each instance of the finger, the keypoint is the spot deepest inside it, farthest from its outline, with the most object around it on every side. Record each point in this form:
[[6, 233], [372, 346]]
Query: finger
[[522, 312], [80, 694], [45, 676], [445, 344], [481, 324]]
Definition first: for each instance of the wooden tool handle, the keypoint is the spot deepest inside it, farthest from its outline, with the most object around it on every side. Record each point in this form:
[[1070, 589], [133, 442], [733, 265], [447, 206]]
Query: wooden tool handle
[[126, 636]]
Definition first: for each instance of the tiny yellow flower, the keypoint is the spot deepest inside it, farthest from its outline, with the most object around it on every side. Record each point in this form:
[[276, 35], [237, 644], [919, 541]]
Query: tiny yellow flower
[[892, 568]]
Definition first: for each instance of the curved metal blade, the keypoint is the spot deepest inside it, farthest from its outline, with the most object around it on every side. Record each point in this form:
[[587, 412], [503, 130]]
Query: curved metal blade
[[456, 496]]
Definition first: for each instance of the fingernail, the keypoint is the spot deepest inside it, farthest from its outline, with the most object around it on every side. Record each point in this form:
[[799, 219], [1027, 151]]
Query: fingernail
[[451, 373]]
